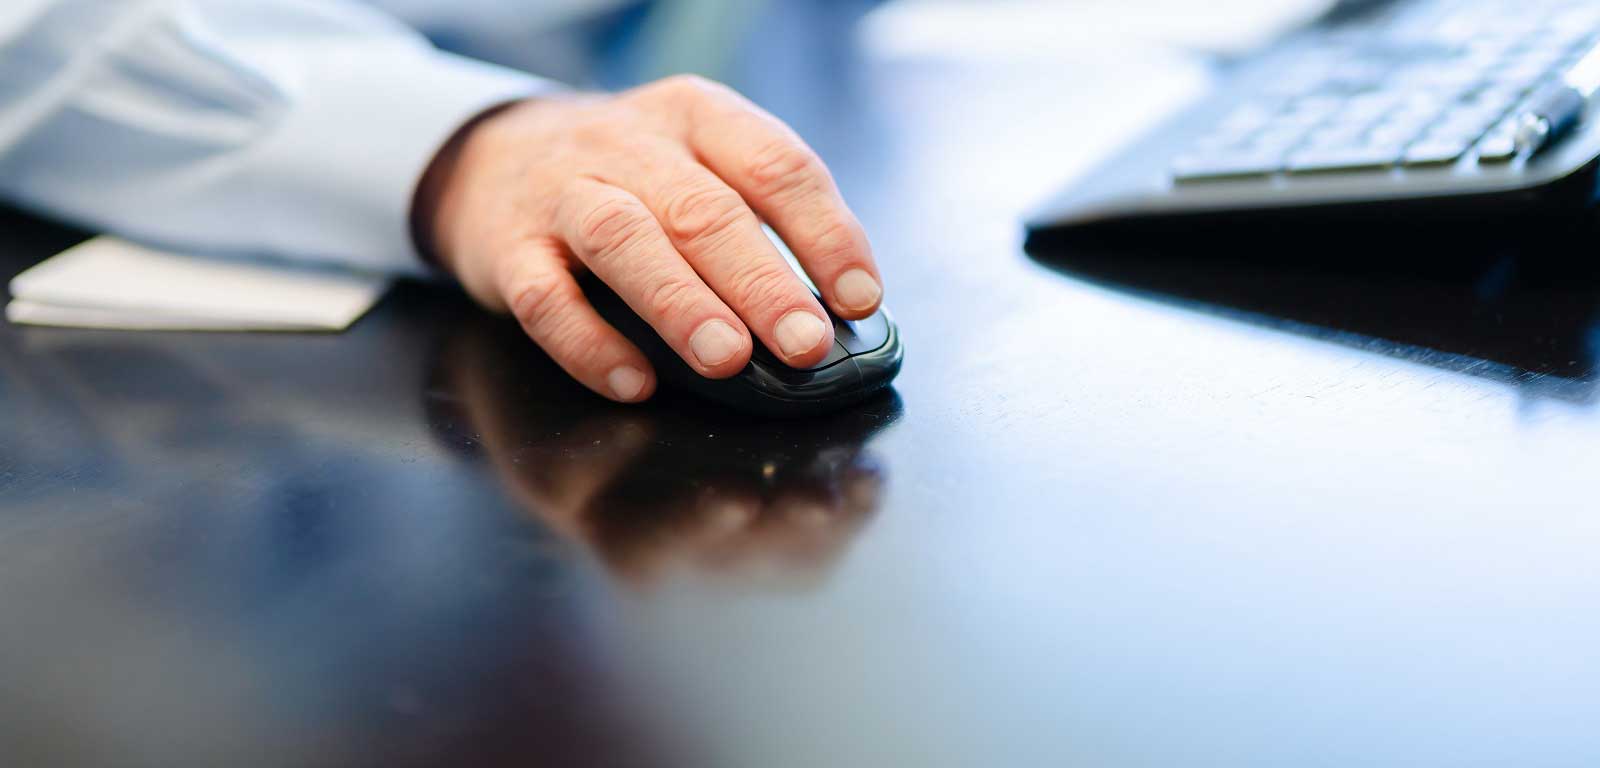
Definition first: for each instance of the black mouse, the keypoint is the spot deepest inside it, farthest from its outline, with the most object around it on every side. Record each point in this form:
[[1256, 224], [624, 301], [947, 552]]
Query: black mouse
[[865, 358]]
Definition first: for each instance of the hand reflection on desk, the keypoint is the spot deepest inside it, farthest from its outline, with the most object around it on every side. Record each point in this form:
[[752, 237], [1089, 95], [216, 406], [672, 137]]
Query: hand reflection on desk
[[667, 488]]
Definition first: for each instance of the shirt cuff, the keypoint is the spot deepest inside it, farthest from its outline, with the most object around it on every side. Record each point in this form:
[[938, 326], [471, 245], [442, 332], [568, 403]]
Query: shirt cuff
[[364, 127]]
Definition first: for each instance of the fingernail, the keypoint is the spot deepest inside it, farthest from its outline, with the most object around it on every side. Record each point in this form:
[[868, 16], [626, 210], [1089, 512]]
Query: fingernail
[[799, 332], [626, 382], [715, 343], [857, 289]]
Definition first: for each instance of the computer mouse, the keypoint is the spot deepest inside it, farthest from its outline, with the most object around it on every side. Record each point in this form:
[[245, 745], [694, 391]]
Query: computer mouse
[[866, 356]]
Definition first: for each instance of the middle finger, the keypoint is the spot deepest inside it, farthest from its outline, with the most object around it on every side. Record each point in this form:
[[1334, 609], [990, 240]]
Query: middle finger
[[722, 239]]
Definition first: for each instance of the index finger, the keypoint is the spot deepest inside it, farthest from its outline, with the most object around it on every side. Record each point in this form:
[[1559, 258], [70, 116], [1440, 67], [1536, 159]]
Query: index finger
[[785, 182]]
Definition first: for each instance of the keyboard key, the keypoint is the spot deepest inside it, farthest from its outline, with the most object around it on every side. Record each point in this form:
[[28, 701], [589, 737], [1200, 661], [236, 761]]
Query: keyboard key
[[1345, 159], [1434, 151], [1226, 165], [1394, 133], [1499, 145], [1416, 115], [1248, 118], [1539, 58], [1514, 83], [1366, 108], [1496, 97], [1440, 78], [1466, 124], [1277, 139], [1303, 76], [1336, 136], [1497, 149], [1357, 75], [1309, 112]]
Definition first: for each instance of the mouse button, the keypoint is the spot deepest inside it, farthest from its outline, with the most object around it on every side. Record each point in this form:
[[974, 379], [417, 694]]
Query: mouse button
[[879, 366], [862, 335], [837, 353], [761, 355], [785, 382]]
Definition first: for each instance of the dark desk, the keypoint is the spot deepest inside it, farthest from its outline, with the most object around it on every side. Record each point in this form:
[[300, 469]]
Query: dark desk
[[1181, 509]]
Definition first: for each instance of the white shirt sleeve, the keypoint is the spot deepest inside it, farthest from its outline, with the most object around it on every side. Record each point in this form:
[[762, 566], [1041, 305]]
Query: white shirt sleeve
[[286, 128]]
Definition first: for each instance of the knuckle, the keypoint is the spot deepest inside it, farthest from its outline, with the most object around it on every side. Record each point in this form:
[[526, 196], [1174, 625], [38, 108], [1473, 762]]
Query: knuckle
[[704, 212], [608, 227], [689, 86], [836, 240], [539, 306], [592, 134], [669, 300], [761, 286], [537, 301], [784, 167], [575, 340]]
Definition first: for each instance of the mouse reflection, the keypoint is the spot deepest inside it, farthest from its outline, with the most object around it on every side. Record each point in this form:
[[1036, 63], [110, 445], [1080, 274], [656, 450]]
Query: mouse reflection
[[670, 488]]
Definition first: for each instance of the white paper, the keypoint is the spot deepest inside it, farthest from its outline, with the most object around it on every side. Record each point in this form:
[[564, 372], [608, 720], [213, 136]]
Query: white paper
[[111, 283], [30, 313]]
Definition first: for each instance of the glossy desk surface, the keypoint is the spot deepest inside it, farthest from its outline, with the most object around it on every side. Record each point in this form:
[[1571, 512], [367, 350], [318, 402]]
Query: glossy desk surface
[[1122, 510]]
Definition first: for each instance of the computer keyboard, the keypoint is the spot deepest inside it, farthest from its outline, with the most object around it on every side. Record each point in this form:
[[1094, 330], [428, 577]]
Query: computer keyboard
[[1417, 85], [1451, 113]]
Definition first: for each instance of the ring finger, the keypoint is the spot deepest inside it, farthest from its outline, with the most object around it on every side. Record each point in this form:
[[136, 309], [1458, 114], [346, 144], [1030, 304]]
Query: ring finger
[[618, 238]]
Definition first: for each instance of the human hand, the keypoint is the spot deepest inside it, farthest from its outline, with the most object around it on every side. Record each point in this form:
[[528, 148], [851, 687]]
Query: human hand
[[661, 192]]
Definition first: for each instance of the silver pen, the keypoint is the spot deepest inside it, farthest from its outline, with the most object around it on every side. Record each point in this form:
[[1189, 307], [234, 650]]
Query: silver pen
[[1557, 107]]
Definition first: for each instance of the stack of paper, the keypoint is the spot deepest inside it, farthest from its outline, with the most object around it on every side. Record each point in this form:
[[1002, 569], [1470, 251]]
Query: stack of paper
[[112, 283]]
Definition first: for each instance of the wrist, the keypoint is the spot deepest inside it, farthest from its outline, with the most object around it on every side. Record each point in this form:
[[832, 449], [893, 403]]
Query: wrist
[[431, 214]]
